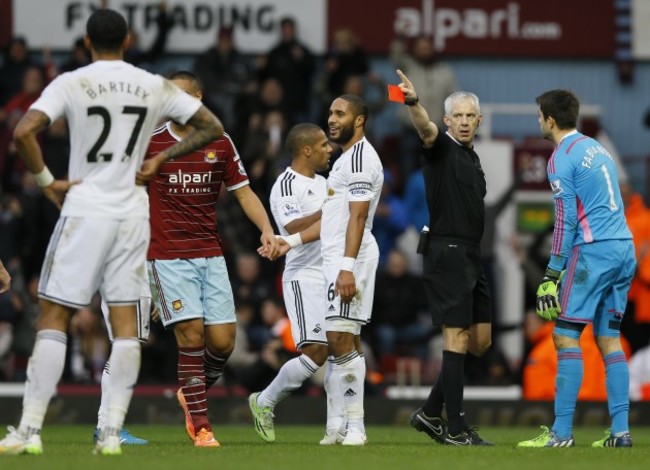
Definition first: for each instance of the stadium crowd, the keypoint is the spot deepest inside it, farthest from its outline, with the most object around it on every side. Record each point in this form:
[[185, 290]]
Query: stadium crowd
[[259, 99]]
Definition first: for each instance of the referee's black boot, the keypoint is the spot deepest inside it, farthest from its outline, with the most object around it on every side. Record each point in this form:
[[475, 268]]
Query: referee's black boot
[[435, 427], [469, 437]]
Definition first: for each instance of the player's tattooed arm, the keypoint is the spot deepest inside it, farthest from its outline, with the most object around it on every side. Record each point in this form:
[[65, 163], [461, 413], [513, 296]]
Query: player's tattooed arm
[[206, 128]]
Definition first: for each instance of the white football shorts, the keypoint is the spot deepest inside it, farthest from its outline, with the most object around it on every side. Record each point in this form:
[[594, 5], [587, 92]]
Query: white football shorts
[[143, 312], [86, 255], [305, 307], [359, 310]]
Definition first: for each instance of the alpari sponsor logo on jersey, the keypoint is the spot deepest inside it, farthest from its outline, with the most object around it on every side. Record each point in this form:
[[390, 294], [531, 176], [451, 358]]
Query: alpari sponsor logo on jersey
[[193, 179]]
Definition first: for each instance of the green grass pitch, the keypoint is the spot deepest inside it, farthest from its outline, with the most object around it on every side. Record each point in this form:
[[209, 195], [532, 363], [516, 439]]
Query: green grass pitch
[[69, 447]]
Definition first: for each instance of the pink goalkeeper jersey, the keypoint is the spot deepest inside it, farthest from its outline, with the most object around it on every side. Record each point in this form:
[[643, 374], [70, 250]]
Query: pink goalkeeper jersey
[[182, 197]]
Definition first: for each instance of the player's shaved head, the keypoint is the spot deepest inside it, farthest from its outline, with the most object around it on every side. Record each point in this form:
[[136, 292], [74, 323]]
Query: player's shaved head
[[107, 30], [357, 105], [192, 79], [301, 135]]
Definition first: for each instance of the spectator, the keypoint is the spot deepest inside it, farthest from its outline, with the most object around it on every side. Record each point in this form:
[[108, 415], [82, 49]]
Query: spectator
[[267, 127], [10, 114], [275, 351], [79, 56], [223, 72], [434, 80], [89, 346], [636, 321], [345, 59], [146, 59], [372, 89], [293, 65], [249, 286], [488, 244], [37, 218], [640, 375], [19, 103], [25, 304], [416, 201], [16, 62], [242, 357], [11, 214], [399, 301], [418, 216], [532, 260], [391, 218]]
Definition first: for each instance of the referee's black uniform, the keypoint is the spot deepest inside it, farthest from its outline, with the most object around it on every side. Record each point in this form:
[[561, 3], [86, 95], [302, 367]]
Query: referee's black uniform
[[454, 280]]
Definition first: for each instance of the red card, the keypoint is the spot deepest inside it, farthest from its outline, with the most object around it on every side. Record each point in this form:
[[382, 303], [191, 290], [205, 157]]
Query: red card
[[395, 94]]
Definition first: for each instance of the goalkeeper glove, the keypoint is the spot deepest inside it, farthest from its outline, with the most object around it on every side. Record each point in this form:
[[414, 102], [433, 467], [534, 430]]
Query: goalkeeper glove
[[548, 303]]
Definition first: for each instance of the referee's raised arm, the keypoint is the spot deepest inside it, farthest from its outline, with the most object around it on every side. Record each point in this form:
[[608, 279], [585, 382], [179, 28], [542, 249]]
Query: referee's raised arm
[[426, 129]]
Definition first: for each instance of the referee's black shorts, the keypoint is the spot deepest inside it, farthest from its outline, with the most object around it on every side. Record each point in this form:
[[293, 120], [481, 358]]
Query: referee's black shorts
[[455, 283]]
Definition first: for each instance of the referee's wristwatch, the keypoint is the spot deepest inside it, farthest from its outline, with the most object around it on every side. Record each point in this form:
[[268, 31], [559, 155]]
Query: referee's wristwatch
[[412, 102]]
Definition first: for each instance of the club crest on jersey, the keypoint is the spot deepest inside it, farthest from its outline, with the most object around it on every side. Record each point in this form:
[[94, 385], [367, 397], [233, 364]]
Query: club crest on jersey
[[177, 305], [210, 156], [330, 192]]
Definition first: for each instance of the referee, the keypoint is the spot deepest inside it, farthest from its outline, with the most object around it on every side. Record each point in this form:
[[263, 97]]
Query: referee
[[455, 284]]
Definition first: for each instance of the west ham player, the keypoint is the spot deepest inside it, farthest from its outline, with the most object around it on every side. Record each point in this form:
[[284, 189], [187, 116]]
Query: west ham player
[[350, 258], [101, 238], [296, 200], [187, 271]]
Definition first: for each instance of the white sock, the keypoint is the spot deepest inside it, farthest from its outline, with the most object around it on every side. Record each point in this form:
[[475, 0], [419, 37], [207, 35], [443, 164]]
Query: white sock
[[44, 371], [125, 366], [101, 413], [335, 418], [290, 377], [350, 371]]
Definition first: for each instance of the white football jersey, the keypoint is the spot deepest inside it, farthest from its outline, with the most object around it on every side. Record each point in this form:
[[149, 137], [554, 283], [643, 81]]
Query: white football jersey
[[357, 176], [112, 109], [294, 196]]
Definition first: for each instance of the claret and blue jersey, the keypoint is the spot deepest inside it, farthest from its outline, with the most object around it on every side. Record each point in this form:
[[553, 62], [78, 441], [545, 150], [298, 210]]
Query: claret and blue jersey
[[588, 203]]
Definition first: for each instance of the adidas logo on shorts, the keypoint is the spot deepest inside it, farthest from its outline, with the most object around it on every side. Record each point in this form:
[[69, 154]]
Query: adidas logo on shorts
[[349, 393]]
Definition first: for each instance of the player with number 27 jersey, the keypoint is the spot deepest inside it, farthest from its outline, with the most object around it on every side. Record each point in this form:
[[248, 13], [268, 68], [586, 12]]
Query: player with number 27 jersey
[[112, 109]]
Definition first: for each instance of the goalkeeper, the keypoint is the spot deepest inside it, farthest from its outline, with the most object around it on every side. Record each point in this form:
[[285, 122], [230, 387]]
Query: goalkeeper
[[593, 246]]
